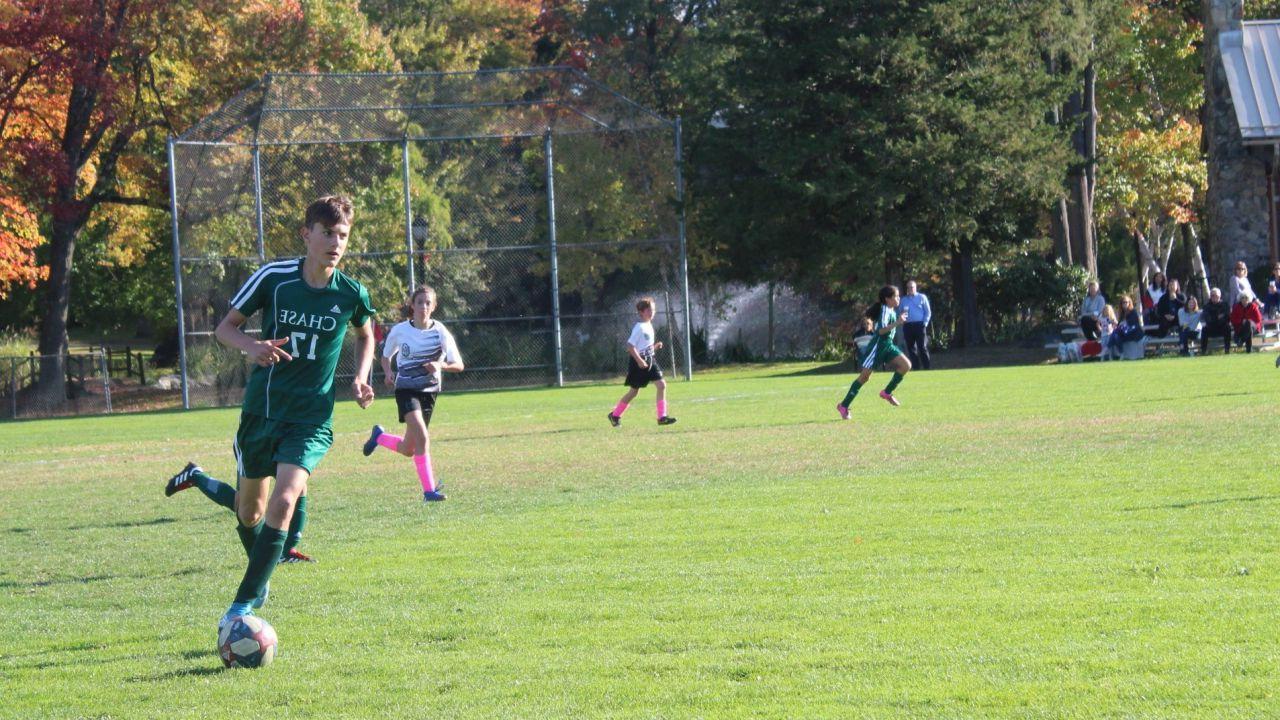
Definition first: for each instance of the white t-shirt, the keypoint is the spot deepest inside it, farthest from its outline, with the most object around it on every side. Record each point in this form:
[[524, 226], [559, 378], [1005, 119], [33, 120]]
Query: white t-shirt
[[642, 338], [1237, 285], [416, 347]]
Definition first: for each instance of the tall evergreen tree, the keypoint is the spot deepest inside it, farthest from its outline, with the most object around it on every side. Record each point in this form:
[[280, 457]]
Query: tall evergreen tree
[[868, 130]]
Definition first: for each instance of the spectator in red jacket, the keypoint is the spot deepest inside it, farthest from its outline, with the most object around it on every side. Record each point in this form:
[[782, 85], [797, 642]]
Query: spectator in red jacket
[[1246, 320]]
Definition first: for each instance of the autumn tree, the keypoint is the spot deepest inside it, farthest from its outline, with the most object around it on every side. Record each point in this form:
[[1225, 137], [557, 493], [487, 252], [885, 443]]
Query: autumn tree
[[89, 88], [1151, 172]]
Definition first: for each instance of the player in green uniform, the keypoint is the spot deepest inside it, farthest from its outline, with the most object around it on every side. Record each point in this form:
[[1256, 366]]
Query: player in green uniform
[[882, 350], [286, 418]]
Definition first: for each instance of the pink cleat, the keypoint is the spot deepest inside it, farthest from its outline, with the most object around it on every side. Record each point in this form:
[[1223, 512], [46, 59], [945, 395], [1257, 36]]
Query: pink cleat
[[844, 412], [889, 398]]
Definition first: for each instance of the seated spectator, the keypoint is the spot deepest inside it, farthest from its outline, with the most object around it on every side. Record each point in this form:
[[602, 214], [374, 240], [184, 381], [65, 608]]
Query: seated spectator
[[1167, 309], [1239, 283], [1189, 324], [1151, 296], [1246, 320], [1129, 329], [862, 337], [1215, 321], [1271, 301], [1106, 324], [1090, 309]]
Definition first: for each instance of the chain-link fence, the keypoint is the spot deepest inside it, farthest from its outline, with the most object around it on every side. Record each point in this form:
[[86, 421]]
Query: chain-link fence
[[86, 388], [538, 203]]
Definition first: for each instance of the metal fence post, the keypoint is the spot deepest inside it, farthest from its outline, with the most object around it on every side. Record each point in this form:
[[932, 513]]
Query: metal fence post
[[257, 200], [684, 256], [177, 275], [408, 212], [555, 265], [106, 377]]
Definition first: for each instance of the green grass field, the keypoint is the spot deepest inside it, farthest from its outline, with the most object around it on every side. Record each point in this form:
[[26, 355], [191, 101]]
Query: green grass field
[[1055, 541]]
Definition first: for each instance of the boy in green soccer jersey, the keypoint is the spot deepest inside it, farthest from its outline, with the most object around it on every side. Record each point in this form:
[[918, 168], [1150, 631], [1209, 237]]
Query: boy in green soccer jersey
[[882, 350], [286, 418]]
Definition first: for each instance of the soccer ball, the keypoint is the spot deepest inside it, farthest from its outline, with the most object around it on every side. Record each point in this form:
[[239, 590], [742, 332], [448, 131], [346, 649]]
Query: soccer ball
[[248, 642]]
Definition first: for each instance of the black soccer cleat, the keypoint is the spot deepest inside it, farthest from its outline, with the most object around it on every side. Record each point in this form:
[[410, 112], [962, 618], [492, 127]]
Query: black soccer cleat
[[182, 480], [614, 420], [666, 420], [372, 443]]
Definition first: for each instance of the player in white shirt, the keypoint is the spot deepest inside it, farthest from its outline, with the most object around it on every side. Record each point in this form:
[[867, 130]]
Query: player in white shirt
[[424, 348], [642, 366]]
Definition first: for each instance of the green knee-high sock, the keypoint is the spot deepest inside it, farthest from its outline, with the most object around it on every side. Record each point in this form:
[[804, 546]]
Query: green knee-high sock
[[897, 378], [853, 392], [216, 490], [296, 525], [248, 535], [262, 562]]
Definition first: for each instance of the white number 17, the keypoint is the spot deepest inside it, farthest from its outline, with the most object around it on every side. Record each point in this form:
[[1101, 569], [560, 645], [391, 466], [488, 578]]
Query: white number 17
[[297, 339]]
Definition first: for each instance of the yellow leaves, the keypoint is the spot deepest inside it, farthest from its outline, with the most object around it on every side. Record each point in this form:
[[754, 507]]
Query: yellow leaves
[[1151, 173]]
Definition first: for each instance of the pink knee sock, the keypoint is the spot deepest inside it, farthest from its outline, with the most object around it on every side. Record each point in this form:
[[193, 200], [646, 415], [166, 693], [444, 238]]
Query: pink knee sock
[[618, 409], [662, 408], [389, 441], [423, 463]]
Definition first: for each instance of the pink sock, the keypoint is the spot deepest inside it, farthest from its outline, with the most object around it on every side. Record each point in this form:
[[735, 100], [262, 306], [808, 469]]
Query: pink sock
[[662, 408], [389, 441], [423, 463], [618, 409]]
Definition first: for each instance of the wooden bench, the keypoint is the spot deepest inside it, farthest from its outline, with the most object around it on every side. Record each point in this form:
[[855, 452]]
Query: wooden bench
[[1268, 339]]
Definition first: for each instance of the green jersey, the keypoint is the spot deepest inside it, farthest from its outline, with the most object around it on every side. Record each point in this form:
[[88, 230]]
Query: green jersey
[[314, 321], [888, 316]]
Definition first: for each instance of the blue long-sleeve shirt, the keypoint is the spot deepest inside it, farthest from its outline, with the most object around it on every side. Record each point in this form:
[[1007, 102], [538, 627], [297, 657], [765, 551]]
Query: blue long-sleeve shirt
[[916, 307]]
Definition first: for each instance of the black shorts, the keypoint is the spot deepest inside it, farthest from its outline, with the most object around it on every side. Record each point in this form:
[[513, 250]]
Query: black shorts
[[409, 400], [638, 377]]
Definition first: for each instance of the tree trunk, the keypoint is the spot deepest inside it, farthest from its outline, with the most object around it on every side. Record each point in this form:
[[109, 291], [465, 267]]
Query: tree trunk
[[1060, 225], [1090, 131], [968, 319], [1142, 269], [57, 299], [1059, 216], [772, 287], [1081, 110]]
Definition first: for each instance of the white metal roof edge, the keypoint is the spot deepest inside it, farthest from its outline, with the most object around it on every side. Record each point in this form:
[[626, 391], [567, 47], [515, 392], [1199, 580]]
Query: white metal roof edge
[[1251, 60]]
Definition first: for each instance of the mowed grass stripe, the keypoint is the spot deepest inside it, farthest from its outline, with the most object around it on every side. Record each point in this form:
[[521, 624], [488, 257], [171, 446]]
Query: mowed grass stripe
[[1075, 541]]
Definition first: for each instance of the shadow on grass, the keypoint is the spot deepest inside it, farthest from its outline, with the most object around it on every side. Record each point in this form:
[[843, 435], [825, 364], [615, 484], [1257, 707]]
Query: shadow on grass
[[1197, 503], [65, 648], [196, 671], [126, 524], [93, 579], [841, 368], [522, 433]]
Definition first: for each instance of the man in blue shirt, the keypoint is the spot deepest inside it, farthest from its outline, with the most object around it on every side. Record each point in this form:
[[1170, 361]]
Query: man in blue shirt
[[916, 330]]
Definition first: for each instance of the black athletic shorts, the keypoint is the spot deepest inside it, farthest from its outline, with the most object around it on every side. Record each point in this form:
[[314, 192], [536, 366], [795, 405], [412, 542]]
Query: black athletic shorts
[[409, 400], [638, 377]]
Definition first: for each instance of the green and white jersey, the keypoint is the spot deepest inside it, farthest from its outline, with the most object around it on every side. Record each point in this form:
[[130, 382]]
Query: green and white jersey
[[314, 321], [888, 316]]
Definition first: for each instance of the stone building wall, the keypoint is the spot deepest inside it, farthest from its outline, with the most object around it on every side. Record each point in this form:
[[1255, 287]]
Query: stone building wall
[[1235, 223]]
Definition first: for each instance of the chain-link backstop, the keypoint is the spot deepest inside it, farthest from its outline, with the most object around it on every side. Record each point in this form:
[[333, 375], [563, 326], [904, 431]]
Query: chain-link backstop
[[538, 203]]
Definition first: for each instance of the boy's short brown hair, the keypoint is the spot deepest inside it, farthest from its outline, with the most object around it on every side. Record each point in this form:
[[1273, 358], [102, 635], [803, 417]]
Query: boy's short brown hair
[[645, 303], [329, 210]]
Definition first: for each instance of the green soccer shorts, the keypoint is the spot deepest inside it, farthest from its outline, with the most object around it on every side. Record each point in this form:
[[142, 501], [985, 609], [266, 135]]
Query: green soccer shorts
[[261, 443], [880, 355]]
